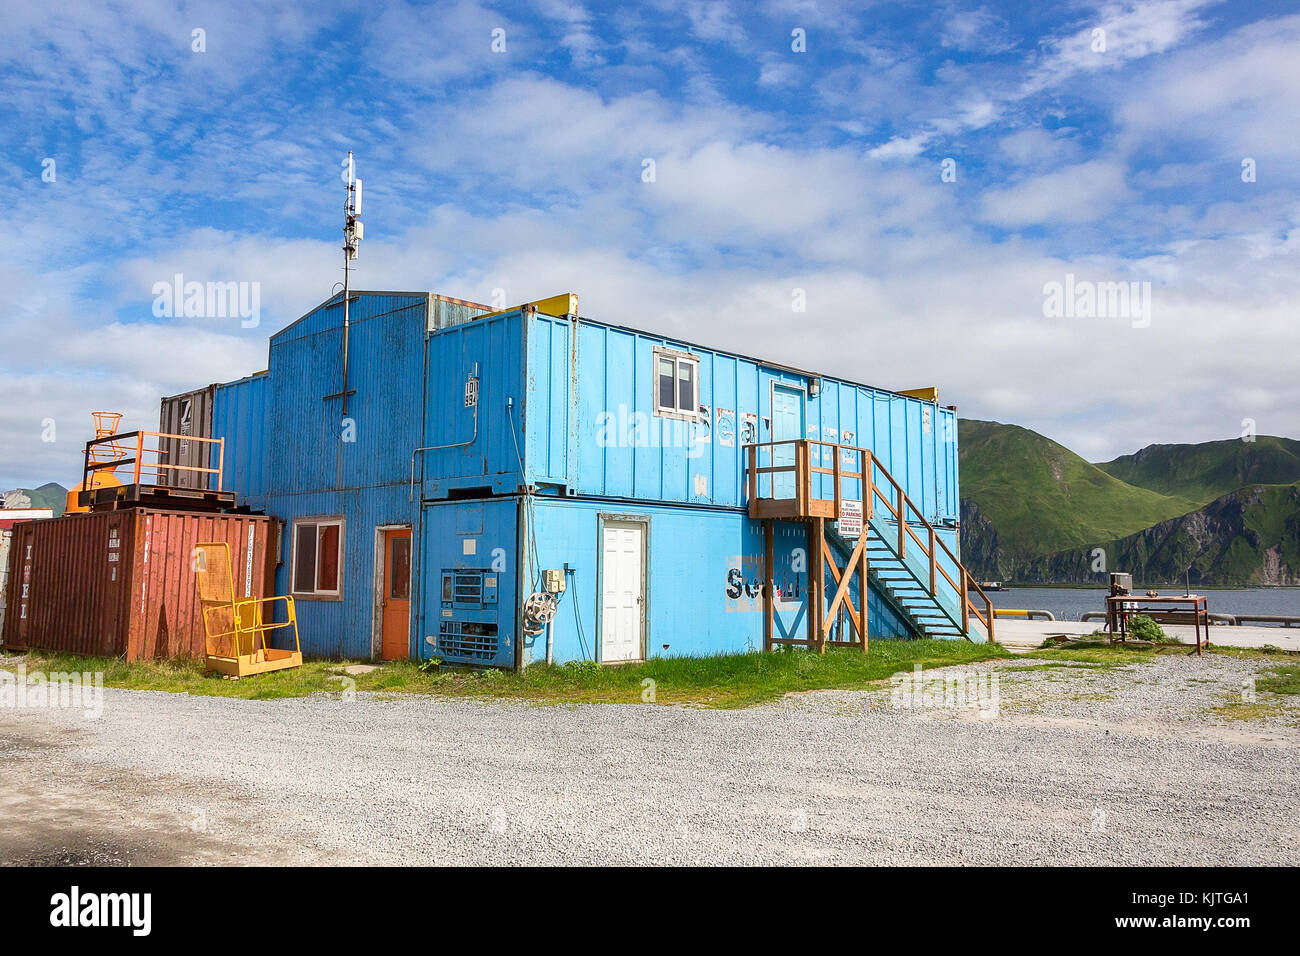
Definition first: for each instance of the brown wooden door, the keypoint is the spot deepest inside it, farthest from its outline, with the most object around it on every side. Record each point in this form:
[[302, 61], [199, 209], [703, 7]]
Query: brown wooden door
[[397, 595]]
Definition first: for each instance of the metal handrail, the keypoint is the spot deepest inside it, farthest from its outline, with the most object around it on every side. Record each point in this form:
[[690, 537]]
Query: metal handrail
[[871, 491], [135, 454]]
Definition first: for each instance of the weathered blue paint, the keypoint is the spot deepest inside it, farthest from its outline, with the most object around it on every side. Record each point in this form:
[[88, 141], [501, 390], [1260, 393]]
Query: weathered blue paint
[[591, 424], [479, 538], [557, 429], [239, 411], [473, 449], [703, 577], [704, 571]]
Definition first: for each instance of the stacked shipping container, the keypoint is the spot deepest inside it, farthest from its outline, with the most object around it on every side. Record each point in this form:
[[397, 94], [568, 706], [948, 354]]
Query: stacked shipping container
[[517, 443], [121, 583]]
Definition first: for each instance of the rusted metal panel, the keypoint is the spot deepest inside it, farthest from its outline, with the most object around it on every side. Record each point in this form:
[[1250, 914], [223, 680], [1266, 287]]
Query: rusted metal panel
[[120, 584], [189, 413], [444, 311], [5, 536]]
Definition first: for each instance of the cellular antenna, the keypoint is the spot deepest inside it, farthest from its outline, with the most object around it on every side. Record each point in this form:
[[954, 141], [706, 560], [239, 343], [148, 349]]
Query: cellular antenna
[[353, 232]]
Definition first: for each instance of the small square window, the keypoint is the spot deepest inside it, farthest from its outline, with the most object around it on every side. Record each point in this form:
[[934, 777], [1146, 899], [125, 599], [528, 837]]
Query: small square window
[[677, 384]]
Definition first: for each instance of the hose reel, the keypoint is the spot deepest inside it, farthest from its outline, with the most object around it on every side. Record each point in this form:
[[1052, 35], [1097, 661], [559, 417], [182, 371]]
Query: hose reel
[[539, 610]]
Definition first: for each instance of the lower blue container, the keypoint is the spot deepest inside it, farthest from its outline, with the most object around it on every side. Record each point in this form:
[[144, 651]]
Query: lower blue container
[[634, 581]]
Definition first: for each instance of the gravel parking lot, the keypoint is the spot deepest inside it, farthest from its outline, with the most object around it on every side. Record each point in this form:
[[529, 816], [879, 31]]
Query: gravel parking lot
[[1076, 765]]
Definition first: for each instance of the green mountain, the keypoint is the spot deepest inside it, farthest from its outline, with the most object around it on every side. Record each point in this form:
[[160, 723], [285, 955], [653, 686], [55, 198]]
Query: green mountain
[[48, 495], [1033, 511], [1042, 497], [1210, 470], [1248, 536]]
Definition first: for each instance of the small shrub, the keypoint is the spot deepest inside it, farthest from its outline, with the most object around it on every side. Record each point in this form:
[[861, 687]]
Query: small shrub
[[431, 665], [1142, 628], [582, 668]]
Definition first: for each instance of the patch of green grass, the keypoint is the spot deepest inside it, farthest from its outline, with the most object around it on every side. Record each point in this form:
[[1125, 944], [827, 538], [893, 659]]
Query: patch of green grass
[[722, 681], [1046, 665], [1267, 652], [1255, 710], [185, 676], [1272, 687], [1101, 653], [1284, 679]]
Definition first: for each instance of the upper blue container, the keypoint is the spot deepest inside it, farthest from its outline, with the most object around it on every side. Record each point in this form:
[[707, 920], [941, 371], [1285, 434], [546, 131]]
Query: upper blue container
[[568, 406]]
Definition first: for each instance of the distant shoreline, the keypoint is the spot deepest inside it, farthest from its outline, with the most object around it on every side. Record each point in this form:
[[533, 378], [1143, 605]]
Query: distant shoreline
[[1011, 585]]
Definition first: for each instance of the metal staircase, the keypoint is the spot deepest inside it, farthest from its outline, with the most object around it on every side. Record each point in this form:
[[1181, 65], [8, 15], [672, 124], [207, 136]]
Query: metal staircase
[[858, 514]]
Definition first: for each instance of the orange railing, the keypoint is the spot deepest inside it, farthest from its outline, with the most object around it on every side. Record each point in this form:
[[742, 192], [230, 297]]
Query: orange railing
[[859, 468], [148, 463]]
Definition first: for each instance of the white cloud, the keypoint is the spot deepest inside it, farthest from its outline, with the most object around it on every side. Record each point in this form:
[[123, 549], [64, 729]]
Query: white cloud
[[1081, 193], [975, 31], [1128, 31], [901, 147], [1240, 94], [1035, 147]]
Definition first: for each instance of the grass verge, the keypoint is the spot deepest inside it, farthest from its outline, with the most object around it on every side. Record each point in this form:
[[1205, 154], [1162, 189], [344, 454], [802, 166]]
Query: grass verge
[[1102, 652], [721, 681]]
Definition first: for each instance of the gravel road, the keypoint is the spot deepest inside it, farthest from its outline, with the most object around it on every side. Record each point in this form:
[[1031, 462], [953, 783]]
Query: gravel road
[[1076, 765]]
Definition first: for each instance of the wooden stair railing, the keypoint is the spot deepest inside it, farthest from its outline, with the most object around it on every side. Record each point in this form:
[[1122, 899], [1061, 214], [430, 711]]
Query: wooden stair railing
[[803, 504]]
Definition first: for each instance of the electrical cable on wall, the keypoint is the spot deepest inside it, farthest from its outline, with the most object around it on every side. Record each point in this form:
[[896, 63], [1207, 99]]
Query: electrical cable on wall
[[533, 607]]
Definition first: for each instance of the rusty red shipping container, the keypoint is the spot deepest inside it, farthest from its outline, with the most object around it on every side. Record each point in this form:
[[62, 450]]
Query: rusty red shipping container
[[120, 583]]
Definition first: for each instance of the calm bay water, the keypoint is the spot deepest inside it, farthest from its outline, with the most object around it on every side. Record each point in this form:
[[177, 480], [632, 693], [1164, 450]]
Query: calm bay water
[[1068, 603]]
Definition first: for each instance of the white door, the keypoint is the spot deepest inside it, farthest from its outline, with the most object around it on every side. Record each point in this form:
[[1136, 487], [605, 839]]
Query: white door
[[623, 603]]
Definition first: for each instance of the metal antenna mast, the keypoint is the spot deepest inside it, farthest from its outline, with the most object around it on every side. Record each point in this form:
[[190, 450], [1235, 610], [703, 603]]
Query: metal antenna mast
[[353, 233]]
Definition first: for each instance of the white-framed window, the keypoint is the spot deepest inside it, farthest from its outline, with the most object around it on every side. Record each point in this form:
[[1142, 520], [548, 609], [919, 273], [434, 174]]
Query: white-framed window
[[317, 557], [676, 384]]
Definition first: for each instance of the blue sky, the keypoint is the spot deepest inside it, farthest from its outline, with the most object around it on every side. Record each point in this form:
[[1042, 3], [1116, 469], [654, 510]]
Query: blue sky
[[775, 170]]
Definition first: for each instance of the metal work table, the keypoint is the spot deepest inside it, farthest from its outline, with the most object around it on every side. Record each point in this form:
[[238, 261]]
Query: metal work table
[[1119, 608]]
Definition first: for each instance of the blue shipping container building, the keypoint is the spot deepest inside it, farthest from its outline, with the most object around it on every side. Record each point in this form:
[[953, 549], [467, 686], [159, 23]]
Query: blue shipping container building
[[499, 487]]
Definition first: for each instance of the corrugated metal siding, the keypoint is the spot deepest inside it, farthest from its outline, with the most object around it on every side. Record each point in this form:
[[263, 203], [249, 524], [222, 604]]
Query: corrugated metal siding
[[470, 535], [548, 412], [492, 459], [342, 627], [6, 536], [239, 415], [624, 450], [187, 414], [121, 584], [580, 418], [410, 392], [315, 449], [704, 572]]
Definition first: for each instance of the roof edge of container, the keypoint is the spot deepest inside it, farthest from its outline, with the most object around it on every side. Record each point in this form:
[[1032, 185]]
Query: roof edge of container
[[422, 294], [762, 363]]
